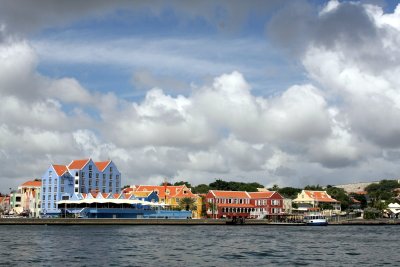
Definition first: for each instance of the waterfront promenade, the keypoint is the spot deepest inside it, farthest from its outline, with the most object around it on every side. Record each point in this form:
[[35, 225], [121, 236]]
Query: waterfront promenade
[[69, 221]]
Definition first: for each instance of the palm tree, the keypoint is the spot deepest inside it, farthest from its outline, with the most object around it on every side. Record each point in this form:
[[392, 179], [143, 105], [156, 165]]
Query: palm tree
[[187, 203]]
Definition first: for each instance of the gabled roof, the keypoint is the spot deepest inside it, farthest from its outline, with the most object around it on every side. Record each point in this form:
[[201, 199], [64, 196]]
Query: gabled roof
[[230, 194], [141, 193], [101, 165], [263, 194], [174, 190], [78, 164], [60, 169], [320, 196], [34, 183]]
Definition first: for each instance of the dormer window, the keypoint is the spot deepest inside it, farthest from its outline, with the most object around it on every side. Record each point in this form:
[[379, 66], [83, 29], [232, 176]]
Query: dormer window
[[167, 192]]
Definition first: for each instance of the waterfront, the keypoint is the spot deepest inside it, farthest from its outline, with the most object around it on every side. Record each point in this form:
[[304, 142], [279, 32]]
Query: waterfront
[[219, 245]]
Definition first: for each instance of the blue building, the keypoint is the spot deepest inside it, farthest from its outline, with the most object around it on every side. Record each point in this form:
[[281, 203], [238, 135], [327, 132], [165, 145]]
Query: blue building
[[60, 182]]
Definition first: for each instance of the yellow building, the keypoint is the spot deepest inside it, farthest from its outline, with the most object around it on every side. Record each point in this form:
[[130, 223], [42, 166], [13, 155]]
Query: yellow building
[[308, 198], [172, 195]]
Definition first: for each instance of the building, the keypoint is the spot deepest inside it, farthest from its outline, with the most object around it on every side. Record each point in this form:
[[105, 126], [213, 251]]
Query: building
[[172, 195], [242, 204], [60, 182], [15, 202], [123, 205], [31, 200], [312, 199]]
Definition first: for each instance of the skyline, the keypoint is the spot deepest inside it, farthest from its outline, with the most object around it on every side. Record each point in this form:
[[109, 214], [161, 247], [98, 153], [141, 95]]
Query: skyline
[[275, 92]]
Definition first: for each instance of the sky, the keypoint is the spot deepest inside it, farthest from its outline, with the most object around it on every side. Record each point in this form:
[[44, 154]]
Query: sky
[[276, 92]]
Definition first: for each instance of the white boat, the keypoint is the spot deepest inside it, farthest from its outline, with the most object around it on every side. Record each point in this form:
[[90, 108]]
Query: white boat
[[315, 218]]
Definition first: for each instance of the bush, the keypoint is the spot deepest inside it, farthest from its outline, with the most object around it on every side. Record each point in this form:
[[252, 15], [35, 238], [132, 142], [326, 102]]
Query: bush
[[372, 213]]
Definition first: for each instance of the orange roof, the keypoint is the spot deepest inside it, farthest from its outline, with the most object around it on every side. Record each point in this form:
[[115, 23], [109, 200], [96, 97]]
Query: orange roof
[[101, 165], [60, 169], [32, 184], [320, 196], [127, 190], [78, 164], [230, 194], [262, 194], [141, 193], [174, 190]]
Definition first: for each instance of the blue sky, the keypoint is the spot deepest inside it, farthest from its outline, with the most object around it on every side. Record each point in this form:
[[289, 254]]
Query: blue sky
[[278, 92]]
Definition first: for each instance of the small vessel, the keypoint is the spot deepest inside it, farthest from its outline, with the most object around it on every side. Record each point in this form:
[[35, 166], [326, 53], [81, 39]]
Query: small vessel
[[315, 218]]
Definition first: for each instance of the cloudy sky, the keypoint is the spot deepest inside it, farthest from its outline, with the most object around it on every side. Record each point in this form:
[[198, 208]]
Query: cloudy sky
[[278, 92]]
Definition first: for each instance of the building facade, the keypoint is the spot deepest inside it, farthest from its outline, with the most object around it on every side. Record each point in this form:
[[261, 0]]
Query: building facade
[[313, 199], [172, 196], [31, 200], [242, 204], [60, 182]]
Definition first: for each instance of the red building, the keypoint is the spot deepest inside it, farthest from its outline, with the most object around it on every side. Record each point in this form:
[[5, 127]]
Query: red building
[[241, 204]]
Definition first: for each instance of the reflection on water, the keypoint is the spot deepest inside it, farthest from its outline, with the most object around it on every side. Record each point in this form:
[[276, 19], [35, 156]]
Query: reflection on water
[[198, 245]]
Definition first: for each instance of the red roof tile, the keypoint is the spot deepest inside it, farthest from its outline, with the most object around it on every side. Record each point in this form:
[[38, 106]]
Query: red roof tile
[[60, 169], [101, 165], [263, 194], [320, 196], [177, 191], [230, 194], [78, 164], [32, 184]]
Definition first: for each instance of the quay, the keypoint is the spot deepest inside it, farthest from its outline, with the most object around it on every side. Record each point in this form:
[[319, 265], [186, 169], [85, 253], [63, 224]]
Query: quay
[[79, 221]]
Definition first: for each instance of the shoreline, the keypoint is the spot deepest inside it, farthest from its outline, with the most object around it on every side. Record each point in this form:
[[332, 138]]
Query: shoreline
[[74, 221]]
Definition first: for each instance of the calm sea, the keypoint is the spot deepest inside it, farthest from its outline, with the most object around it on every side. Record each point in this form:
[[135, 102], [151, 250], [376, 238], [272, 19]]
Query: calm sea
[[199, 245]]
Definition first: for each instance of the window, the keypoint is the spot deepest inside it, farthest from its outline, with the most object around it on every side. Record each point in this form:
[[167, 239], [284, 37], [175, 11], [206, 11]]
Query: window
[[48, 205], [104, 190], [90, 182], [76, 174], [97, 176], [55, 197], [76, 189], [110, 169], [97, 183], [104, 176], [83, 174], [50, 173], [110, 184], [62, 189], [62, 181], [110, 176], [44, 189], [90, 167], [90, 174], [76, 181], [65, 198]]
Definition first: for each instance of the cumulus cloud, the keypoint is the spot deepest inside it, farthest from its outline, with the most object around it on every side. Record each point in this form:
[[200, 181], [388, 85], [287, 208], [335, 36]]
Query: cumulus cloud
[[342, 122]]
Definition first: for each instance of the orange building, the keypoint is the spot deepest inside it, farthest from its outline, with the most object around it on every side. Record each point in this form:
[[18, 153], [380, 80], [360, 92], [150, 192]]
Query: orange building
[[172, 195]]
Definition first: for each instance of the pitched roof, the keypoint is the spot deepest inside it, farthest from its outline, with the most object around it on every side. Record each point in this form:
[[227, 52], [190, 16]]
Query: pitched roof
[[101, 165], [141, 193], [60, 169], [230, 194], [174, 190], [262, 194], [320, 196], [34, 183], [78, 164]]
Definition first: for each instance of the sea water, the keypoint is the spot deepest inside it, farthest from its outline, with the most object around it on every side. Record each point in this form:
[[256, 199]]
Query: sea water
[[218, 245]]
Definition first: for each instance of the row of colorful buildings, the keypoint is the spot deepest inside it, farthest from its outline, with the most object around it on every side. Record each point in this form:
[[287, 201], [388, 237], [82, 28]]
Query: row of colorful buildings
[[94, 189]]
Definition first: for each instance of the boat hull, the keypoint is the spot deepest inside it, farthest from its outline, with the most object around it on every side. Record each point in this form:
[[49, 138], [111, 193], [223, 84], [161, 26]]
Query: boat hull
[[321, 223]]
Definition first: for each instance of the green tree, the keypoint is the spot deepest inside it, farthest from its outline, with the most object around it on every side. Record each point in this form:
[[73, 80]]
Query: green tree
[[314, 187], [381, 193], [201, 189], [340, 195], [289, 192], [187, 203]]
